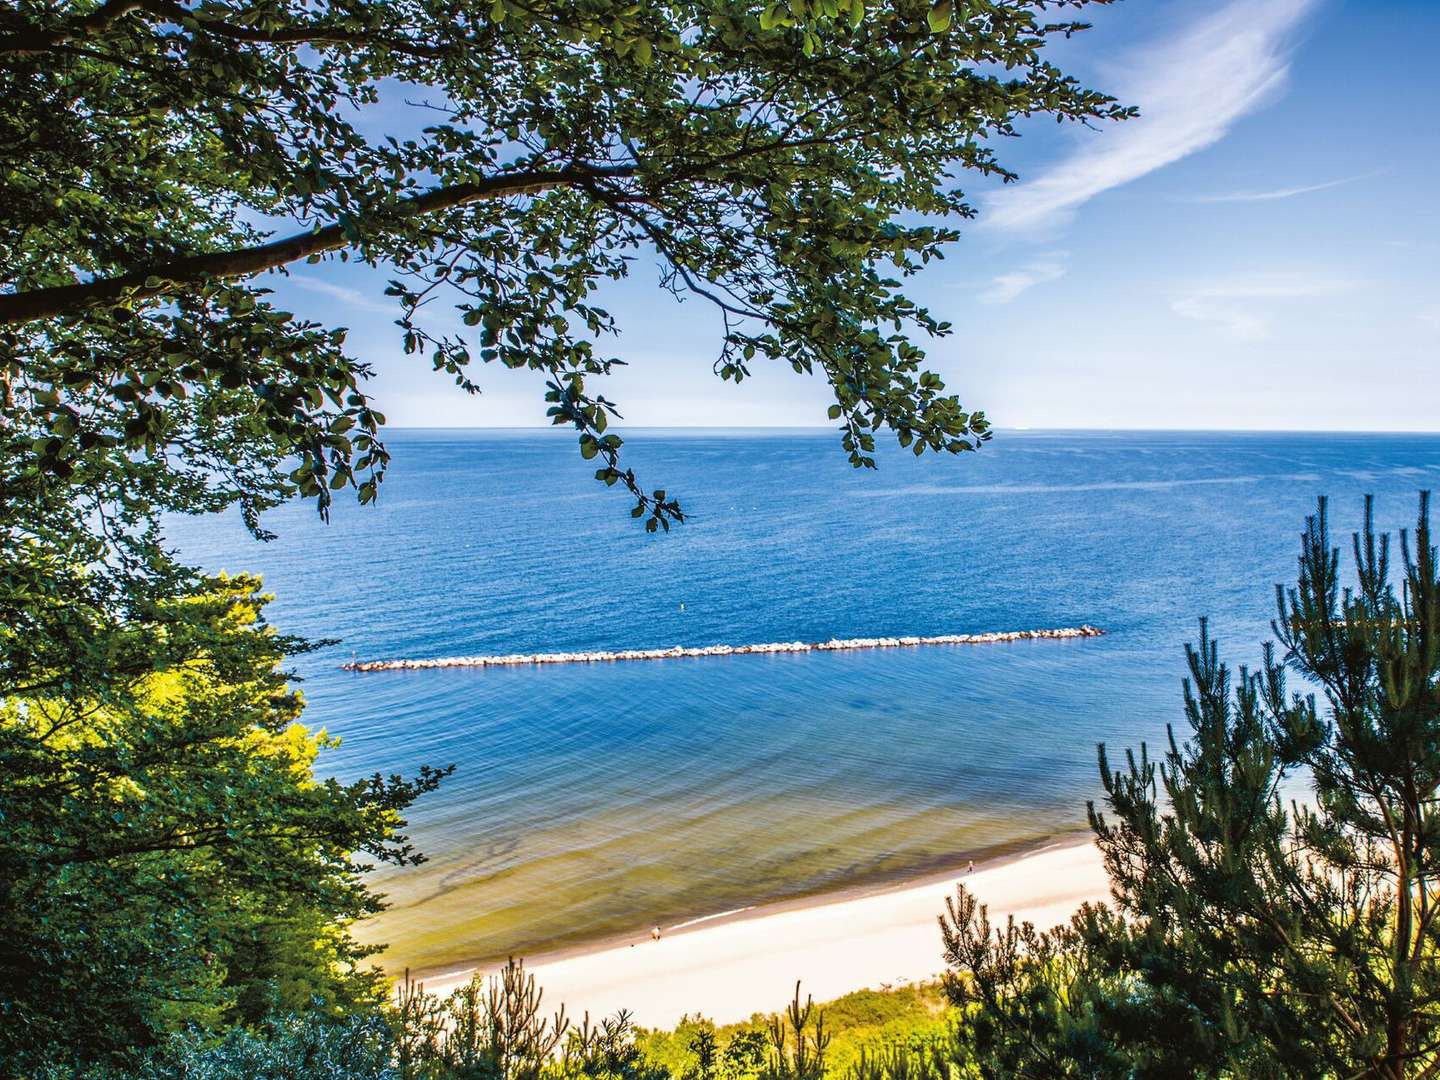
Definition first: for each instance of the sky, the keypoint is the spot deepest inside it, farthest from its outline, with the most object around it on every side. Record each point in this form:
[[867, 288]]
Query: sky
[[1259, 250]]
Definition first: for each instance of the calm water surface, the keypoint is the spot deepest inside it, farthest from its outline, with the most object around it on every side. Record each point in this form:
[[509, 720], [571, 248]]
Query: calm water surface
[[596, 800]]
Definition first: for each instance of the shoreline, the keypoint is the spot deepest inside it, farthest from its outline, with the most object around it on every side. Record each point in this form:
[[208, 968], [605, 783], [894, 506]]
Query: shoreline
[[732, 964], [950, 869]]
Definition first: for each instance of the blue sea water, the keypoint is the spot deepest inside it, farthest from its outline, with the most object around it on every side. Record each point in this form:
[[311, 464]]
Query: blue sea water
[[591, 801]]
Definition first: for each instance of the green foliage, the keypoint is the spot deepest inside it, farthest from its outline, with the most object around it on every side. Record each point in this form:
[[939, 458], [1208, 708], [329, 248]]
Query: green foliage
[[607, 1051], [919, 1060], [491, 1028], [691, 1047], [798, 1042], [786, 162], [495, 1027], [913, 1015], [696, 1050], [1038, 1003], [874, 1024], [1258, 939], [169, 859], [305, 1047]]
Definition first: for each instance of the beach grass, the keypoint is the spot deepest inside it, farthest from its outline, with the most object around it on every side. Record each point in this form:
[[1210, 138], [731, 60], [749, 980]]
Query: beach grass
[[867, 1019]]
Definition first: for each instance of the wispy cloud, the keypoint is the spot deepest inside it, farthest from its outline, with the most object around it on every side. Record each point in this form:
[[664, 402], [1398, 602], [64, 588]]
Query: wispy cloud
[[1007, 286], [1191, 88], [1279, 193], [1244, 308], [351, 297]]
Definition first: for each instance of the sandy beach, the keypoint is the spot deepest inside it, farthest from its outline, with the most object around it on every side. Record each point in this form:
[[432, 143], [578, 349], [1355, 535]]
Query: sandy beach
[[727, 968]]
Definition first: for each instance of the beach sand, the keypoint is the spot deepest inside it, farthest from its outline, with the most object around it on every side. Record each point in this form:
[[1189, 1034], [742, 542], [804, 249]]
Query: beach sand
[[728, 968]]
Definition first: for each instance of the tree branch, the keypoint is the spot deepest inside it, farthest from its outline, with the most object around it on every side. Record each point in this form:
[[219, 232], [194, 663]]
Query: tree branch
[[301, 33], [28, 40], [162, 279]]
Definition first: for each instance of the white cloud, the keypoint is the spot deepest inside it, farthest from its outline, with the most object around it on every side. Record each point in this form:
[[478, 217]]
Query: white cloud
[[1279, 193], [1190, 89], [1007, 286], [352, 297], [1244, 307]]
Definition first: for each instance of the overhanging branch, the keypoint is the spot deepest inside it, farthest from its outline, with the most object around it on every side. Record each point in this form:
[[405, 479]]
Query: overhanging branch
[[165, 278], [26, 40]]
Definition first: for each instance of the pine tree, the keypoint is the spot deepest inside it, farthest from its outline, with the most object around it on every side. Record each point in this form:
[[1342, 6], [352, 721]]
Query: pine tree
[[1275, 874]]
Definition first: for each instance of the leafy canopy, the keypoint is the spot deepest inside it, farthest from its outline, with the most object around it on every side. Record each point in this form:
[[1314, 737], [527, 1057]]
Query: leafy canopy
[[168, 856], [788, 165]]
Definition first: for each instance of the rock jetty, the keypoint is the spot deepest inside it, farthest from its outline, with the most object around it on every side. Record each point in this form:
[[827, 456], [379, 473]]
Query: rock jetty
[[677, 652]]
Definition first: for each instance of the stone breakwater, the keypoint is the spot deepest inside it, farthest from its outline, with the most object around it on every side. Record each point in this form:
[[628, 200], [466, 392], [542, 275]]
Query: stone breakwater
[[677, 652]]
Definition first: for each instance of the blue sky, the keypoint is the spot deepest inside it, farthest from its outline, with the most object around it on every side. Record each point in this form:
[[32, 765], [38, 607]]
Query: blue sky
[[1261, 249]]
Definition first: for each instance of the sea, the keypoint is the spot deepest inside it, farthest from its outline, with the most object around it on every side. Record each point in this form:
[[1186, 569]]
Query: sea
[[591, 802]]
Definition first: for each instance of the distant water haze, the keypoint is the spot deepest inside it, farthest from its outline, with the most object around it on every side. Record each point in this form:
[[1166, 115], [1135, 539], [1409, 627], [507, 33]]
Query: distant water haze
[[596, 801]]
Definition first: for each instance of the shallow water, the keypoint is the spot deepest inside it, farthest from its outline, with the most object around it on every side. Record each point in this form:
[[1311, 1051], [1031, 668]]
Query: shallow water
[[594, 800]]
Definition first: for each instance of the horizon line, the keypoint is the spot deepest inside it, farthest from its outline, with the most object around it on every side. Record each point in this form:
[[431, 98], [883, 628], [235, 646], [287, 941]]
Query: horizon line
[[816, 428]]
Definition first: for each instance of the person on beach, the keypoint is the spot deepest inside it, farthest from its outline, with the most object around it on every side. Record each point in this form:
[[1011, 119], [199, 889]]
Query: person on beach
[[971, 868], [655, 933]]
